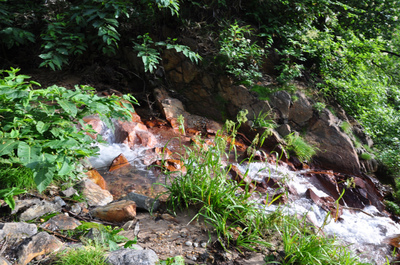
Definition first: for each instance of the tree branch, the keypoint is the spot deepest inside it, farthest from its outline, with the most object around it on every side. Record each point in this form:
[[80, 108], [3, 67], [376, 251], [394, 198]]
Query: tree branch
[[391, 53]]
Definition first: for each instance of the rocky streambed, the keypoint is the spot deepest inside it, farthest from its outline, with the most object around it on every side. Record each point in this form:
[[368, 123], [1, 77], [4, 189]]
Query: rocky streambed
[[120, 191]]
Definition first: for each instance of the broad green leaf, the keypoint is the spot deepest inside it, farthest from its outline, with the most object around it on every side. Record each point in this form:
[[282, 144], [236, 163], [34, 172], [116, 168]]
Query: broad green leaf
[[8, 146], [43, 174], [41, 127], [68, 107], [28, 154], [66, 168]]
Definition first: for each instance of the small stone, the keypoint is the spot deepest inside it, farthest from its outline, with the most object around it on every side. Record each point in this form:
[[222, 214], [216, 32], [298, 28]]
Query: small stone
[[188, 243], [203, 244], [69, 192], [196, 245], [17, 231], [143, 202], [76, 208], [60, 202], [38, 209]]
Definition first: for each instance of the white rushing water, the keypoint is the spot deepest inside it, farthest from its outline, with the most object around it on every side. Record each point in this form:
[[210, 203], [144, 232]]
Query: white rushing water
[[359, 228]]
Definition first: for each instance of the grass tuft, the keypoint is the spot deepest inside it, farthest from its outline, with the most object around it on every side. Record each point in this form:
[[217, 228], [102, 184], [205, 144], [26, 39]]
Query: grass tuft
[[299, 147], [88, 255]]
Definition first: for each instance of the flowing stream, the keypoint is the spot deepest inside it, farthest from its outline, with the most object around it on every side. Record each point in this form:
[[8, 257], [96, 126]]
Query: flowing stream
[[364, 231]]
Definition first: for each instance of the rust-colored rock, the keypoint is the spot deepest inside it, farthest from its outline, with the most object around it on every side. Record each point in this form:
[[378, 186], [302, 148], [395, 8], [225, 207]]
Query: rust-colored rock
[[172, 165], [39, 244], [134, 133], [118, 162], [116, 212], [95, 176]]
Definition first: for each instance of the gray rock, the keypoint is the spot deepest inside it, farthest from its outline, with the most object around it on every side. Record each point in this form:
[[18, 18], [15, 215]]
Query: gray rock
[[23, 204], [284, 130], [39, 208], [143, 202], [69, 192], [76, 208], [60, 202], [17, 230], [95, 195], [132, 257], [301, 111], [188, 243], [281, 100]]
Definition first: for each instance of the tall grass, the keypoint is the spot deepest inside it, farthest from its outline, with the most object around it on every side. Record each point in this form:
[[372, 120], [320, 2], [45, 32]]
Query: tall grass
[[236, 219]]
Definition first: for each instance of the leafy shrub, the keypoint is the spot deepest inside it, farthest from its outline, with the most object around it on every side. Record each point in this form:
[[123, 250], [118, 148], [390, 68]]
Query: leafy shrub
[[38, 127], [319, 106], [242, 57], [151, 56]]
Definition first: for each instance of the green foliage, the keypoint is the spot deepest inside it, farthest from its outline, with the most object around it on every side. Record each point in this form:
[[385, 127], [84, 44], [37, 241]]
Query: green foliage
[[346, 127], [177, 260], [264, 120], [70, 30], [241, 56], [151, 56], [206, 185], [366, 156], [319, 106], [393, 207], [39, 130], [107, 237], [300, 148], [88, 255], [8, 195], [304, 246]]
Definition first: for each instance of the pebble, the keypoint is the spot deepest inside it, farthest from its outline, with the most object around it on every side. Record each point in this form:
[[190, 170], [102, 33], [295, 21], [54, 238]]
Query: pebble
[[196, 245], [204, 245], [188, 243]]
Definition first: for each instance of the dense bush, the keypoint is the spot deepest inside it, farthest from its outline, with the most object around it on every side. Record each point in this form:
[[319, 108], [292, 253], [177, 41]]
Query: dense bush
[[38, 127]]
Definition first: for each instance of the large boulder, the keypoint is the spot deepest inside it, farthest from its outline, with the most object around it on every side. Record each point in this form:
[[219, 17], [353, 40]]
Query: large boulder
[[335, 149]]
